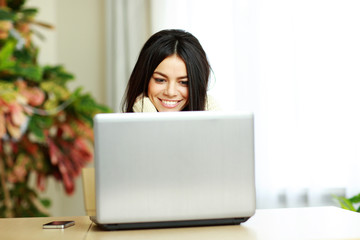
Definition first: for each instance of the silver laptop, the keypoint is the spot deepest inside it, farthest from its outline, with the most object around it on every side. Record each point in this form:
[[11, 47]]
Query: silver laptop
[[173, 169]]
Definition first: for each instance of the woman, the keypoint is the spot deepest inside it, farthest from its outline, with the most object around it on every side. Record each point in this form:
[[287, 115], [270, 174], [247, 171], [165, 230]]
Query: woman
[[171, 74]]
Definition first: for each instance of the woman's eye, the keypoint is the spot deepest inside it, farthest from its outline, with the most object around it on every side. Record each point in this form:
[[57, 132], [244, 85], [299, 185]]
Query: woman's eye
[[184, 83], [159, 80]]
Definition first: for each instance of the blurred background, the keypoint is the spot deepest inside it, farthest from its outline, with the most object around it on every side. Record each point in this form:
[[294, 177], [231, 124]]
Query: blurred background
[[295, 64], [78, 43]]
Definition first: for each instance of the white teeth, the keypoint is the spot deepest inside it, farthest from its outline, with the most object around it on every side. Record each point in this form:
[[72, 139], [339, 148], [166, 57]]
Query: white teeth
[[172, 103]]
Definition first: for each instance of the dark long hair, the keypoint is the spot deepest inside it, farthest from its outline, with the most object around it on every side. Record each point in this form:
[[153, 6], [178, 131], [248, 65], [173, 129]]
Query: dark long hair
[[160, 46]]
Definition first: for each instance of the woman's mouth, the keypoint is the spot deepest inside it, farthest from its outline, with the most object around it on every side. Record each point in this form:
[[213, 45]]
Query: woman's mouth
[[170, 103]]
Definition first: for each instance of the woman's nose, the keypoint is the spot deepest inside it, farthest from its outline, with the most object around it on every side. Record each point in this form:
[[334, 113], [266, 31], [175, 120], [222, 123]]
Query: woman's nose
[[170, 90]]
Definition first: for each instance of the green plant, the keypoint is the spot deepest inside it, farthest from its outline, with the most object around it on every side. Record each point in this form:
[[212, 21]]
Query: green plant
[[351, 203], [45, 129]]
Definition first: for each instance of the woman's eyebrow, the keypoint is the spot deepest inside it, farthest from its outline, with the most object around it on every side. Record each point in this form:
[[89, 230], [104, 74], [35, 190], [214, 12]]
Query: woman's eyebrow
[[164, 75]]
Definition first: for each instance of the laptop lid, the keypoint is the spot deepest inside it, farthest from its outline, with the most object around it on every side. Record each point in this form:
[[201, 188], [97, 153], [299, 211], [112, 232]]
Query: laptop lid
[[183, 166]]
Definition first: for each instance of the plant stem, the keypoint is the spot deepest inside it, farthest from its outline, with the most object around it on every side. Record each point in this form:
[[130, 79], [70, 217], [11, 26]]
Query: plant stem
[[38, 205], [8, 203]]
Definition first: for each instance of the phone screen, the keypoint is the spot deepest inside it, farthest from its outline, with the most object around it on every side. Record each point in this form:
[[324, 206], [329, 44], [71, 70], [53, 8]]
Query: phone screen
[[59, 224]]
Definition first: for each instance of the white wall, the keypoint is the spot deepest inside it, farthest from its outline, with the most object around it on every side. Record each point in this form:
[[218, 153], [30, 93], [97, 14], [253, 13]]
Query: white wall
[[78, 43], [81, 43]]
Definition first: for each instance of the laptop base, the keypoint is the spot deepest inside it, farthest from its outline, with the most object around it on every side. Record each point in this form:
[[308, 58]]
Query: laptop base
[[170, 224]]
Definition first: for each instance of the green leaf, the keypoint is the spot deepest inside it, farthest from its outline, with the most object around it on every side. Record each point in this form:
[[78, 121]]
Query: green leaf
[[15, 4], [25, 55], [7, 91], [46, 202], [76, 93], [358, 209], [57, 74], [31, 72], [51, 104], [6, 15], [345, 203], [36, 129], [355, 199], [37, 124], [6, 53], [85, 107], [28, 12], [41, 121], [61, 92]]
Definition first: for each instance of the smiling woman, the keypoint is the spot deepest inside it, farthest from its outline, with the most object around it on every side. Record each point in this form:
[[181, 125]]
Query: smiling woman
[[171, 74], [168, 87]]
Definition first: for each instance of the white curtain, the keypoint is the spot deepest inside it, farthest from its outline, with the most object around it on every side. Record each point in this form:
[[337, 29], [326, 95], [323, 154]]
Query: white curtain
[[128, 26], [294, 63]]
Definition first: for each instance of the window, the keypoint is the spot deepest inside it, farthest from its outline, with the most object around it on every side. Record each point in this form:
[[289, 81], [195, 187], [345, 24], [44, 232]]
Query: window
[[295, 64]]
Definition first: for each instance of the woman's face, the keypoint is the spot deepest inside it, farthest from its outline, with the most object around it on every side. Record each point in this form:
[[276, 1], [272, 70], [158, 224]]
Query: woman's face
[[168, 87]]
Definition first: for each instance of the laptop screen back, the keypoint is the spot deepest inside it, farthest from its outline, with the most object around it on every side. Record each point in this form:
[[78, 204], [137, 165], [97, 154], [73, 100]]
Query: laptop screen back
[[174, 166]]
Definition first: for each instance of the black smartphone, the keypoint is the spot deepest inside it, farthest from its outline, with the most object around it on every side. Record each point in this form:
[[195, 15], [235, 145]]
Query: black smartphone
[[59, 224]]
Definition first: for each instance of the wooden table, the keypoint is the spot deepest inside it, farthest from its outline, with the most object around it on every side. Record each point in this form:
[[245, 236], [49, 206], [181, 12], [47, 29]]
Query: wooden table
[[291, 223]]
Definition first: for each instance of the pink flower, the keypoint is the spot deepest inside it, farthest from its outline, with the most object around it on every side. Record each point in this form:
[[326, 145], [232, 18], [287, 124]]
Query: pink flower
[[66, 131], [82, 150], [14, 130], [34, 95], [40, 181], [20, 172], [17, 113], [54, 153], [68, 180], [37, 98]]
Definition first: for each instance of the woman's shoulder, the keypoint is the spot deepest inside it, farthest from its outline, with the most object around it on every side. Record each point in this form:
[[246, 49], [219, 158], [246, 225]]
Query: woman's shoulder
[[212, 104], [143, 104]]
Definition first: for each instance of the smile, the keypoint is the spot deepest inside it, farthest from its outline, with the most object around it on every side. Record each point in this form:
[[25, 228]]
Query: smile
[[170, 103]]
